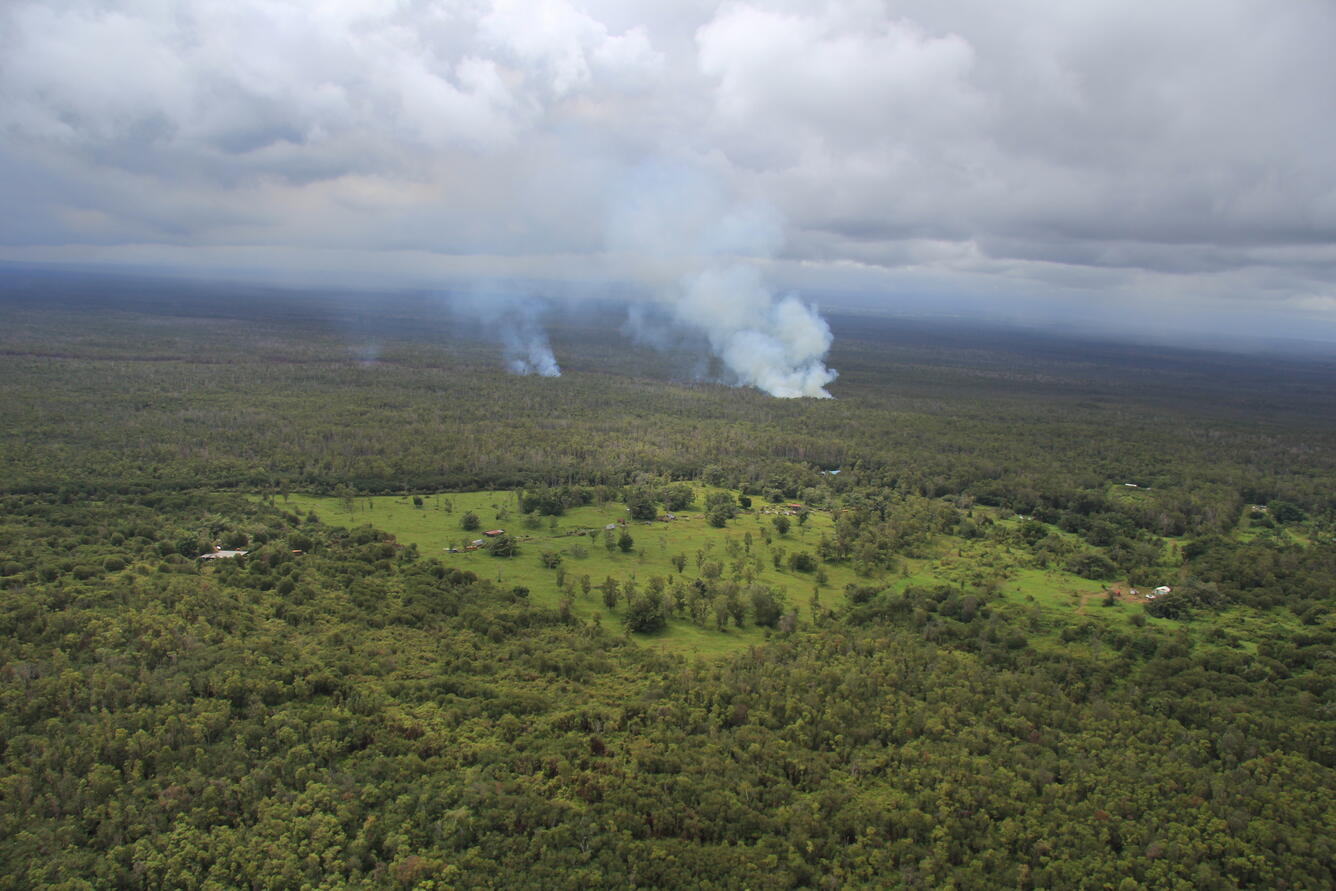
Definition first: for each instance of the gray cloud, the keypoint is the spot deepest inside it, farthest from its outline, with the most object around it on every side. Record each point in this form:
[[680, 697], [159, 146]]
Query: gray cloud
[[1105, 151]]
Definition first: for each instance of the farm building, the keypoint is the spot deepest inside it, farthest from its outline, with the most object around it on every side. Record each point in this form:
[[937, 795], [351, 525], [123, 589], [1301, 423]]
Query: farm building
[[493, 533], [222, 555]]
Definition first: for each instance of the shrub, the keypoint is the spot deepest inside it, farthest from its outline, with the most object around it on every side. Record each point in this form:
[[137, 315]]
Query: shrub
[[802, 562]]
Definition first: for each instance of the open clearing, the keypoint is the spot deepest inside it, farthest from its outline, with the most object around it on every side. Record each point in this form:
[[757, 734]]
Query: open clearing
[[434, 527]]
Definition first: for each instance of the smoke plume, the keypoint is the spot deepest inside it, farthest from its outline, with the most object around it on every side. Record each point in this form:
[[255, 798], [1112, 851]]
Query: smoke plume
[[705, 256], [515, 322], [526, 350], [775, 345]]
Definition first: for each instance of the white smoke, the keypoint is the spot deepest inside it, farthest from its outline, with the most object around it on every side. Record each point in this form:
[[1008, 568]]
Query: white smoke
[[776, 345], [678, 231], [516, 323], [527, 351]]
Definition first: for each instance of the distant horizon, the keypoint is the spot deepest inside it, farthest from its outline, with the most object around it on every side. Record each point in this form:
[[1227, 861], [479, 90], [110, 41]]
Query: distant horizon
[[835, 305]]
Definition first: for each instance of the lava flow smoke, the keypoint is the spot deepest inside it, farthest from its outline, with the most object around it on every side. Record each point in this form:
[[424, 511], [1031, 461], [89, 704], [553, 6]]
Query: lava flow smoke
[[775, 345], [515, 322], [702, 258]]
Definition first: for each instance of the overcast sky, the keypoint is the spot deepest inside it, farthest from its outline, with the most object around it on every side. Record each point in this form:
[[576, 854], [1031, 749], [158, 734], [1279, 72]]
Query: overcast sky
[[1116, 159]]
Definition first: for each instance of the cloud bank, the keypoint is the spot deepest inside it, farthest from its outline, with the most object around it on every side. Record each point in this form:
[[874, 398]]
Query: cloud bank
[[1095, 153]]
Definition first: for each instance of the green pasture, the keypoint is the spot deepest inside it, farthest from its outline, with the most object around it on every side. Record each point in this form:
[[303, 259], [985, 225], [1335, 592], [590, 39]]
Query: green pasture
[[435, 528]]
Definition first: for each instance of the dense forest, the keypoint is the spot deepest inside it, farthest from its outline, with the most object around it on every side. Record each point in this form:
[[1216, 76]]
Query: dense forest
[[337, 708]]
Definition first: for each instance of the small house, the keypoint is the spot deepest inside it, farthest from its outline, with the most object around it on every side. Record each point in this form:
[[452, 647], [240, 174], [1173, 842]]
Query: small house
[[1162, 590], [493, 533]]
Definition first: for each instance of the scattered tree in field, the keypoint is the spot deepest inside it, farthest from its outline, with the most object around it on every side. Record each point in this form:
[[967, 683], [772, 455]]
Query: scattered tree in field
[[645, 614], [766, 607], [781, 524], [736, 608], [719, 509], [677, 497], [720, 609], [801, 561], [610, 590], [679, 593], [625, 542], [469, 522], [503, 545], [640, 505]]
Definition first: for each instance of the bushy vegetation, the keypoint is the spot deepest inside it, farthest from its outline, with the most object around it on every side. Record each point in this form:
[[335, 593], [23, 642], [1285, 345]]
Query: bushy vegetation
[[359, 713], [927, 670]]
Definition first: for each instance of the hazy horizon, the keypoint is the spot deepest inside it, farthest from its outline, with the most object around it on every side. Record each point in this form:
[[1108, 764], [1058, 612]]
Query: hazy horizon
[[558, 303]]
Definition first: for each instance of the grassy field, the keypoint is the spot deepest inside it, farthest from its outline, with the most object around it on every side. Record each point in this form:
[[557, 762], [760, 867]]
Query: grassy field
[[435, 528], [1061, 598]]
